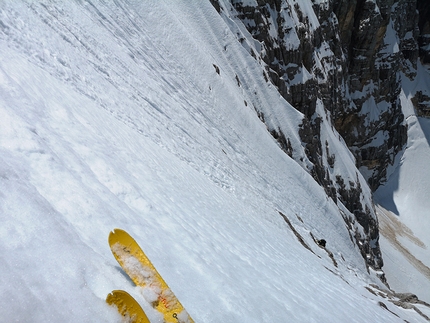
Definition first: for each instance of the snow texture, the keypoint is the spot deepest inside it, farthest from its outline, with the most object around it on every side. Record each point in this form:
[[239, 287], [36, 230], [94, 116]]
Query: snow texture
[[113, 115]]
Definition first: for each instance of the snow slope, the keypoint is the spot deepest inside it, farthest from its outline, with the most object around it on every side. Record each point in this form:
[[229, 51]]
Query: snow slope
[[405, 204], [113, 115]]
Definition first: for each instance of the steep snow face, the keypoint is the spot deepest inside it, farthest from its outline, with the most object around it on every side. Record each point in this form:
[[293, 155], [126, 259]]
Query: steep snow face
[[405, 220], [371, 86], [321, 58], [298, 44], [142, 116]]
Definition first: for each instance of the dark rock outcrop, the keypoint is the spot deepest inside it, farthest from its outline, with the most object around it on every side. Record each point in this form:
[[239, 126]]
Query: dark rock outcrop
[[423, 7], [379, 46], [421, 103]]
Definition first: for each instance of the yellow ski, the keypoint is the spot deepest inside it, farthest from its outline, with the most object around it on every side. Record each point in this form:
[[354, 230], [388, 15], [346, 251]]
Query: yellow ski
[[127, 307], [143, 273]]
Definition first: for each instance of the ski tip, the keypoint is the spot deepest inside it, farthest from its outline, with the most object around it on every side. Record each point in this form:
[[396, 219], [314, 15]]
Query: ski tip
[[116, 232], [127, 306], [122, 237]]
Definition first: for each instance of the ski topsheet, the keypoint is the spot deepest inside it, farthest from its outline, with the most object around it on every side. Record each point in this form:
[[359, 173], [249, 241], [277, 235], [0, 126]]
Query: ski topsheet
[[143, 273], [127, 306]]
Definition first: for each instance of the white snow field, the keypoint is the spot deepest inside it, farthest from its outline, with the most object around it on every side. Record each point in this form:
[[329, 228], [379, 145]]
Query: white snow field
[[112, 114]]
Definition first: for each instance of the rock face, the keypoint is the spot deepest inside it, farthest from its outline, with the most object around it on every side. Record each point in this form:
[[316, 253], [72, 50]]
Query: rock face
[[340, 63], [379, 45], [421, 100], [423, 7], [365, 44]]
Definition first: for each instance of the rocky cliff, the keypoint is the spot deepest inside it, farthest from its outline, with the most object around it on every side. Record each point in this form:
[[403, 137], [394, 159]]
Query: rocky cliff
[[423, 7], [340, 63]]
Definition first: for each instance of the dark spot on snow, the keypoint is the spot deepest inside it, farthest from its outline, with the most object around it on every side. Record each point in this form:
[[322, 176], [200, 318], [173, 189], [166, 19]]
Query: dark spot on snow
[[216, 68]]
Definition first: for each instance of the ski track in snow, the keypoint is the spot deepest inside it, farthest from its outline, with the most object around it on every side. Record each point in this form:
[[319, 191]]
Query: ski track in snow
[[113, 115]]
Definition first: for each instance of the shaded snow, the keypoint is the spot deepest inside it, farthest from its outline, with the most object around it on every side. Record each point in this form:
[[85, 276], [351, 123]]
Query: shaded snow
[[405, 196]]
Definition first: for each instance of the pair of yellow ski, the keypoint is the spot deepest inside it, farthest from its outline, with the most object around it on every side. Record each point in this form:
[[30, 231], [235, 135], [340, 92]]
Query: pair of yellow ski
[[143, 273]]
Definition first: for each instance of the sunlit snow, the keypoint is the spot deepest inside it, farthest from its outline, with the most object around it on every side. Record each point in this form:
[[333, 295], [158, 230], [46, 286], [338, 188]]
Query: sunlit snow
[[114, 115]]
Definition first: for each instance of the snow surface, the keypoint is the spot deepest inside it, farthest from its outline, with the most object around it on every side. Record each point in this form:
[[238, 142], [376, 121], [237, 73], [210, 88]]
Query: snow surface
[[113, 115], [406, 204]]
